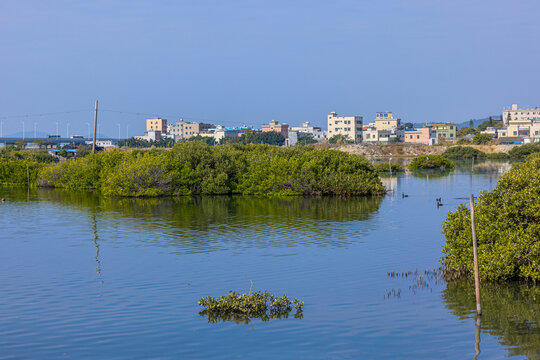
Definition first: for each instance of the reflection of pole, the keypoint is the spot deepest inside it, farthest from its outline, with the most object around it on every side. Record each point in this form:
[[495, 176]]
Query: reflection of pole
[[95, 127], [475, 255], [477, 338], [96, 245]]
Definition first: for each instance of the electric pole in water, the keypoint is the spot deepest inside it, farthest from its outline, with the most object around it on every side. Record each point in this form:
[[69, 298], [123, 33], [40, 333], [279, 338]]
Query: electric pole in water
[[95, 127]]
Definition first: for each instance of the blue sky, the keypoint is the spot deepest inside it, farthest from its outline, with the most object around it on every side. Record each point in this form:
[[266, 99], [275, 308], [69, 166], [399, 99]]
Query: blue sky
[[236, 62]]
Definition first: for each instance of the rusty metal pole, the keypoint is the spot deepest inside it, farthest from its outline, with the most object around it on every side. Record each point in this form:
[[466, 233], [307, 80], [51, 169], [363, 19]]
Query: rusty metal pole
[[475, 255]]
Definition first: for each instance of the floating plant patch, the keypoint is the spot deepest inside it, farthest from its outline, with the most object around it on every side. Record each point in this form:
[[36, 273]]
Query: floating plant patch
[[241, 308]]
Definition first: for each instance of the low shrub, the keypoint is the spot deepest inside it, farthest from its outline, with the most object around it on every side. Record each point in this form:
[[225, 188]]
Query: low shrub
[[508, 228], [498, 156], [241, 308], [430, 162], [387, 168], [522, 151], [463, 153]]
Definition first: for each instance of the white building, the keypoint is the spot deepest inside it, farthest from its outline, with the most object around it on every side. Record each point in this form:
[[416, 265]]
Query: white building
[[515, 114], [348, 126], [306, 129]]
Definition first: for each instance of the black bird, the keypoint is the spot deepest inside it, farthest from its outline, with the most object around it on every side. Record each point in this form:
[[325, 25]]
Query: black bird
[[439, 202], [403, 195]]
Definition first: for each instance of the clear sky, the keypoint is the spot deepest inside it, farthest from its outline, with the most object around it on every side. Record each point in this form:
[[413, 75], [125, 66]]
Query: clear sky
[[235, 62]]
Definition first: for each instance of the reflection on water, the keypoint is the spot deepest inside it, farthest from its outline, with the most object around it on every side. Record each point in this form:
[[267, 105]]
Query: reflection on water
[[202, 224], [510, 312]]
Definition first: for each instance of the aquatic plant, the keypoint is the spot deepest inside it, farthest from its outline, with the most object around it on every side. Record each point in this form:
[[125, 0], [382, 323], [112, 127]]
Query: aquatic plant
[[430, 162], [507, 226], [241, 308], [387, 168], [463, 152]]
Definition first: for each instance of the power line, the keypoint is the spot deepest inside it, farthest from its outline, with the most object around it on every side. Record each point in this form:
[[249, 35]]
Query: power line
[[42, 114]]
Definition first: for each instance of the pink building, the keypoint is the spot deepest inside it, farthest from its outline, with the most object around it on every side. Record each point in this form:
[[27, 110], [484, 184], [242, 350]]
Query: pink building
[[283, 129], [418, 136]]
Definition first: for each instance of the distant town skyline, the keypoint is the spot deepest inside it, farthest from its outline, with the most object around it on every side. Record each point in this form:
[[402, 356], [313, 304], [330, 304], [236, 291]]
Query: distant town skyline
[[247, 62]]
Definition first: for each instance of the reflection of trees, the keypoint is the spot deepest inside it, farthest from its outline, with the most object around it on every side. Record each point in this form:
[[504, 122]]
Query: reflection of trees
[[510, 312], [204, 223], [431, 173]]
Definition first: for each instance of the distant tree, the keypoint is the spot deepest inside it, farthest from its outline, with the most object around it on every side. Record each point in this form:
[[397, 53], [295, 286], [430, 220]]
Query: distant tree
[[21, 144], [206, 139], [340, 139], [490, 121], [256, 137], [483, 126], [471, 123], [406, 126], [306, 139], [482, 139], [83, 150], [465, 131]]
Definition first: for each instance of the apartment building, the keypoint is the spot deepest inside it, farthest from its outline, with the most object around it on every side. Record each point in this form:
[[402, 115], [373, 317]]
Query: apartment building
[[157, 124], [348, 126], [185, 130], [275, 126], [306, 129], [443, 130], [418, 136], [386, 121], [523, 115]]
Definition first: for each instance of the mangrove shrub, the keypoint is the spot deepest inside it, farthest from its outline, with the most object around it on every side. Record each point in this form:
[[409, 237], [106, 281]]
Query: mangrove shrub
[[508, 228], [430, 162], [463, 153]]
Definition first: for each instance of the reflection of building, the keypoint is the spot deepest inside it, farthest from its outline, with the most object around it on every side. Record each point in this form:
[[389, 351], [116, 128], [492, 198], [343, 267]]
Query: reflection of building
[[347, 126], [274, 126]]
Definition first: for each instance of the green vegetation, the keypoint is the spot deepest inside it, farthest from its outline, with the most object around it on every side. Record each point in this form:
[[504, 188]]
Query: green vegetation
[[465, 131], [522, 151], [430, 162], [389, 168], [243, 307], [481, 139], [306, 139], [340, 139], [508, 228], [510, 313], [135, 143], [497, 156], [256, 137], [489, 123], [18, 172], [12, 153], [193, 168], [463, 153]]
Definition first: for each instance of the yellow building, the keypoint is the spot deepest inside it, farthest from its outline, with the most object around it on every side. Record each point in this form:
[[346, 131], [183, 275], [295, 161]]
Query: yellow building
[[386, 121], [156, 124]]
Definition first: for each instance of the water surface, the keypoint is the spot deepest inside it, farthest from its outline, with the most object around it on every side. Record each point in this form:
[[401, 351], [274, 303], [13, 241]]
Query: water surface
[[87, 277]]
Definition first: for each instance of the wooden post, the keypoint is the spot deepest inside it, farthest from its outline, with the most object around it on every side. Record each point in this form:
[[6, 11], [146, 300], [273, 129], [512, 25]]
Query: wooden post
[[475, 255], [95, 127]]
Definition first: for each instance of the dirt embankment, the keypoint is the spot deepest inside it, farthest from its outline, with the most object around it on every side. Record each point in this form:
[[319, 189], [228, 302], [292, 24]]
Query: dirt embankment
[[411, 150]]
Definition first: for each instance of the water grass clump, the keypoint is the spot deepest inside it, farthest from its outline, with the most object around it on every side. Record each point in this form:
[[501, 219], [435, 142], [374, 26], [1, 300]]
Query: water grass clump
[[463, 153], [428, 162], [241, 308], [389, 168]]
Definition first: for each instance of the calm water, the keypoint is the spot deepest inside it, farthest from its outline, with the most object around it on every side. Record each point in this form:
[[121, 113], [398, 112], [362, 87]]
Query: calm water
[[84, 277]]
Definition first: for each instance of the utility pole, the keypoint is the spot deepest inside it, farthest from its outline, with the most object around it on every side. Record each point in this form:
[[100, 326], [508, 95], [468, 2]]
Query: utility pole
[[95, 127], [127, 133], [475, 258]]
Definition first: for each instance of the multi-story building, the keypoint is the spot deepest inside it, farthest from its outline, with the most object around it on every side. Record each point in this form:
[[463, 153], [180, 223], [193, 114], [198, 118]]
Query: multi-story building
[[386, 121], [274, 126], [157, 124], [418, 136], [515, 114], [185, 130], [443, 131], [306, 129], [348, 126]]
